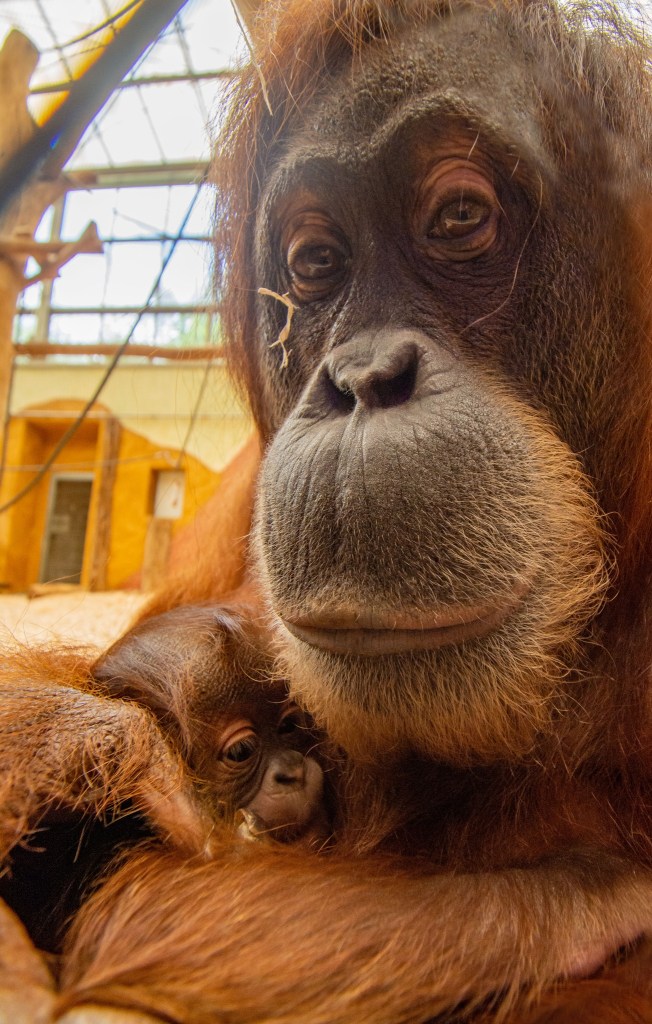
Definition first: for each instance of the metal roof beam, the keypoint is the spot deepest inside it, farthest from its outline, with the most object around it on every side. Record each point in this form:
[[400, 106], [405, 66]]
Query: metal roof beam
[[52, 144], [133, 175], [132, 83]]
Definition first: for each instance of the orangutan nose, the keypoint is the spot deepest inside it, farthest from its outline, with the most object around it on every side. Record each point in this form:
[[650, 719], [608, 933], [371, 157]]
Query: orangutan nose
[[375, 370]]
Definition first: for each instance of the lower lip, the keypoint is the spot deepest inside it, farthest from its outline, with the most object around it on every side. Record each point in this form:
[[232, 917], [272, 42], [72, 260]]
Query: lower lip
[[373, 643]]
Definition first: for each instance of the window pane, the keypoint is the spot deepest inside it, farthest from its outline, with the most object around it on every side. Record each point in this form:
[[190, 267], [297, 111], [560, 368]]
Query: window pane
[[82, 282], [181, 128], [30, 298], [82, 207], [83, 328], [127, 132], [114, 327], [123, 278], [25, 328], [200, 221], [138, 212], [212, 34], [187, 277], [42, 233]]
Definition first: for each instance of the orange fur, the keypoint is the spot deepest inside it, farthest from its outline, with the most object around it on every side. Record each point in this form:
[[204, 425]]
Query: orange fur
[[512, 888]]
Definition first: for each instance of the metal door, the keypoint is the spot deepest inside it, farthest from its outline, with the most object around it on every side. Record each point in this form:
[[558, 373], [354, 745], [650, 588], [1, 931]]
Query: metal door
[[65, 531]]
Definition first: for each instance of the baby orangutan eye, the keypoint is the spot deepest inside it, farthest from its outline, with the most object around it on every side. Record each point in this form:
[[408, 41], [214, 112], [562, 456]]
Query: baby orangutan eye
[[293, 720], [240, 746]]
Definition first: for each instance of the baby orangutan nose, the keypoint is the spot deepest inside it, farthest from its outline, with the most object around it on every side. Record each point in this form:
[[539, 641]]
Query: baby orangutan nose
[[287, 769], [289, 805]]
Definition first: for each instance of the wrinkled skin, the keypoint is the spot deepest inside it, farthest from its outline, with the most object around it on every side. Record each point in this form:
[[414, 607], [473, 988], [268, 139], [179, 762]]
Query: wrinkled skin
[[425, 529]]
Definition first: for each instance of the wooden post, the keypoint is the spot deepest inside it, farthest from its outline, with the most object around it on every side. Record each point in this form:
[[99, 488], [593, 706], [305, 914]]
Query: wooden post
[[50, 145], [156, 555], [32, 157], [108, 448], [18, 59]]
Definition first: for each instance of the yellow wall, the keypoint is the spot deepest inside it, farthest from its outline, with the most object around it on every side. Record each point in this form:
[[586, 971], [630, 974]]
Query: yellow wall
[[132, 501], [160, 409], [17, 536], [21, 538], [156, 401]]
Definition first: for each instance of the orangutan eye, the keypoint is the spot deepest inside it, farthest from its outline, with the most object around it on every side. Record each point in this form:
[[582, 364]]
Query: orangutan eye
[[241, 751], [317, 257], [294, 720], [316, 262], [240, 747], [288, 725], [459, 218], [457, 211]]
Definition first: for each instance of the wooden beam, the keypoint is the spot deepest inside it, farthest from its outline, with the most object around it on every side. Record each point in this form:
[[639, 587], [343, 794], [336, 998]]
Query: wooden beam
[[24, 245], [18, 59], [51, 256], [178, 172], [32, 158], [136, 83], [38, 349]]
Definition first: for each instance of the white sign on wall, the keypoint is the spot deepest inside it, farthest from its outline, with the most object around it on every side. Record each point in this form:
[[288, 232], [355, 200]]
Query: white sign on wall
[[169, 494]]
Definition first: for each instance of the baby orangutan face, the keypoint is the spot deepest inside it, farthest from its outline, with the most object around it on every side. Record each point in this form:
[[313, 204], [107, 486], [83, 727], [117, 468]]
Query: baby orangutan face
[[207, 674], [265, 770]]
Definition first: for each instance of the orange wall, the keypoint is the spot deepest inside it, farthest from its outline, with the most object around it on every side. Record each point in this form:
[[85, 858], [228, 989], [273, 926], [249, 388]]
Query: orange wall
[[22, 528], [132, 500]]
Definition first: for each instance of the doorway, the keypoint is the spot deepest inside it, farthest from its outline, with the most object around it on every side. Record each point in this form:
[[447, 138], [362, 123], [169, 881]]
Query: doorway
[[65, 529]]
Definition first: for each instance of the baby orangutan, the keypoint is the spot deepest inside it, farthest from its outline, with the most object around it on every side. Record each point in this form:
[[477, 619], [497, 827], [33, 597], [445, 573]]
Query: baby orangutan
[[206, 673], [178, 731]]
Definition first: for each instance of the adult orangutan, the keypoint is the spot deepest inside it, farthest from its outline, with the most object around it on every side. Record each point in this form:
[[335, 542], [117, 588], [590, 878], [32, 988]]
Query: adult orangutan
[[446, 207]]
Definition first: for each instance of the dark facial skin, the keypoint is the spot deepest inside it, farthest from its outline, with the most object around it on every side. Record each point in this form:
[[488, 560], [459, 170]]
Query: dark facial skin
[[205, 673], [264, 769], [425, 527]]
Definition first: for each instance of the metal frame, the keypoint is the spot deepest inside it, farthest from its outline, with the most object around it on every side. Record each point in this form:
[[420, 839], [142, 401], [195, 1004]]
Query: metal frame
[[131, 176], [132, 83], [138, 175], [178, 172]]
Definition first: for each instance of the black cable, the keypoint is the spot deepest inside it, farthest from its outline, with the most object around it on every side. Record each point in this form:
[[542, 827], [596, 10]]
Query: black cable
[[74, 427]]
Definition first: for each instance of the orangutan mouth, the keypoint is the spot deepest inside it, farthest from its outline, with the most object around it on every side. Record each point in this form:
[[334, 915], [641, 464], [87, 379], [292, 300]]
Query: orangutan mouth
[[372, 634]]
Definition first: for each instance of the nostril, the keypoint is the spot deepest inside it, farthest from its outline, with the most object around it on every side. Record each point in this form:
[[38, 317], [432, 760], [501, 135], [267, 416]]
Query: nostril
[[376, 372], [341, 399], [397, 390], [390, 380], [289, 778]]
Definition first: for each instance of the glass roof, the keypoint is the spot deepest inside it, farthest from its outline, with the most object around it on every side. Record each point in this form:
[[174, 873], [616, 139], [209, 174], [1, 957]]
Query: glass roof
[[154, 121], [148, 148]]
